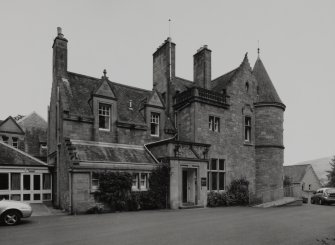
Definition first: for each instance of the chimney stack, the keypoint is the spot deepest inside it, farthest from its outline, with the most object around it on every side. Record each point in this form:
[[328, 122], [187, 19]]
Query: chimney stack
[[60, 54], [202, 68]]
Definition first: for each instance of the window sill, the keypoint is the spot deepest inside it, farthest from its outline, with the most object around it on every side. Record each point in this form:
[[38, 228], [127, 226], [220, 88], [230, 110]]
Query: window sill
[[247, 143], [104, 129]]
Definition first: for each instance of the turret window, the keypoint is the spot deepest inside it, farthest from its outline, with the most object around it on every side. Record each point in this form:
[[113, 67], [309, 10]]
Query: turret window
[[247, 129], [154, 124], [104, 117]]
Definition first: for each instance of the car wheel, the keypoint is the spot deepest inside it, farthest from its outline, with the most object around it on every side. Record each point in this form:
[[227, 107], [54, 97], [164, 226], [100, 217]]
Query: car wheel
[[11, 217]]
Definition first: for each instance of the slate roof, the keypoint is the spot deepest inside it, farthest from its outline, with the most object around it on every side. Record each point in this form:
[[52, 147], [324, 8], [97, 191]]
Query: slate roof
[[10, 156], [267, 92], [296, 172], [221, 82], [77, 92], [109, 155], [182, 84]]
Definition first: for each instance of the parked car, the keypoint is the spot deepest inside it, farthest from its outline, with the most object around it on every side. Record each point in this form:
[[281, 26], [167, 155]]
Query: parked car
[[324, 196], [11, 212]]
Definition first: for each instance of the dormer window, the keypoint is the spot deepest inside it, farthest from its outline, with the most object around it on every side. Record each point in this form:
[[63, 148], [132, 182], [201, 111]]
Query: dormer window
[[104, 117], [154, 124]]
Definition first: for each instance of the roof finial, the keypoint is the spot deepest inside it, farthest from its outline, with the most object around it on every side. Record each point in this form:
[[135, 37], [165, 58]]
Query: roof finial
[[258, 49], [105, 72], [170, 29]]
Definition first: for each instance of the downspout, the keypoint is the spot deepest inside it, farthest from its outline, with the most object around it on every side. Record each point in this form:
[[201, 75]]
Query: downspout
[[70, 191], [58, 147]]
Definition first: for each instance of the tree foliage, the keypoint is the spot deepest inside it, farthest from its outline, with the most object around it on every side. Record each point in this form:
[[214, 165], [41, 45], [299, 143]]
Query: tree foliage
[[331, 174]]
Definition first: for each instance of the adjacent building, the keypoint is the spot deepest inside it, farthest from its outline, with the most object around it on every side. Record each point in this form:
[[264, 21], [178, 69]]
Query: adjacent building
[[210, 131]]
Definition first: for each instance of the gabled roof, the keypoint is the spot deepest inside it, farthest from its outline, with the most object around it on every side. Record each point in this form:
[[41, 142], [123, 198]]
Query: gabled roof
[[296, 172], [10, 156], [182, 84], [221, 82], [78, 89], [33, 120], [266, 91], [11, 126]]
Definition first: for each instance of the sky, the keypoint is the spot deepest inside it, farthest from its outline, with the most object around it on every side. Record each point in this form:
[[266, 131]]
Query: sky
[[296, 40]]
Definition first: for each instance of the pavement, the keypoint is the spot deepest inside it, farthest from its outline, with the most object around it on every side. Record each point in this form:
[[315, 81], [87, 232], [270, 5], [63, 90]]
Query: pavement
[[286, 201], [306, 224], [40, 209]]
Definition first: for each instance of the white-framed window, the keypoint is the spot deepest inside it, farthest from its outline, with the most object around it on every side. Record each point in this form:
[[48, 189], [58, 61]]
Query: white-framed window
[[143, 181], [154, 124], [247, 129], [4, 181], [214, 124], [216, 175], [5, 139], [135, 186], [140, 182], [104, 116], [15, 142]]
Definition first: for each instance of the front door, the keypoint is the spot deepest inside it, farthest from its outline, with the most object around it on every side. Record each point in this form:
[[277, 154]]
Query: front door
[[184, 186], [31, 188], [189, 186]]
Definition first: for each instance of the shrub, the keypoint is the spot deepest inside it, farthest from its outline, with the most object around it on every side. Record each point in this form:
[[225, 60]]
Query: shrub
[[216, 199], [238, 191], [159, 186], [114, 189], [237, 194]]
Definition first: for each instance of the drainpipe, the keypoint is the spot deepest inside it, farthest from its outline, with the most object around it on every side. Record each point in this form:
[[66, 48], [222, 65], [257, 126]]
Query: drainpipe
[[58, 146], [70, 191]]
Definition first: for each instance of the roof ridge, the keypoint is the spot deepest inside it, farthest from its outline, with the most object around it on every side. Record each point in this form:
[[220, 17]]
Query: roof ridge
[[234, 70], [184, 79], [120, 84]]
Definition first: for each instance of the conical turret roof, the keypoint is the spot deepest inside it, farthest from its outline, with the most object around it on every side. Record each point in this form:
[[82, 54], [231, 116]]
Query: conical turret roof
[[266, 91]]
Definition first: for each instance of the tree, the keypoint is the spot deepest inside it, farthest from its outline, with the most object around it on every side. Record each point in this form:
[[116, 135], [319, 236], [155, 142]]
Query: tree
[[331, 174]]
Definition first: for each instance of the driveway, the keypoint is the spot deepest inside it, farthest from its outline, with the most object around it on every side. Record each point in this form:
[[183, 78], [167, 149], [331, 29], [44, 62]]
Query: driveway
[[308, 224]]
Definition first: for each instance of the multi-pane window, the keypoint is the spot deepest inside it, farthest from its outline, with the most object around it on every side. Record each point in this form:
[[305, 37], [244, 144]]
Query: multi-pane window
[[247, 129], [154, 124], [15, 142], [94, 182], [140, 182], [104, 116], [214, 124], [143, 181], [5, 139], [216, 174]]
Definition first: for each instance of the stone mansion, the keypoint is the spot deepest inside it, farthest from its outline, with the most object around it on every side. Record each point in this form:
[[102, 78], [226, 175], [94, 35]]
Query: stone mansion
[[210, 131]]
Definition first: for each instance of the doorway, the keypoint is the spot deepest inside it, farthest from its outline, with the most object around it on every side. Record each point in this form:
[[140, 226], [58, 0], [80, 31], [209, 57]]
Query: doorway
[[189, 186]]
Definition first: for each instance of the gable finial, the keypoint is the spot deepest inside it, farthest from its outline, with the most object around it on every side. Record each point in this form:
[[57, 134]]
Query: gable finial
[[105, 73], [169, 28], [258, 49]]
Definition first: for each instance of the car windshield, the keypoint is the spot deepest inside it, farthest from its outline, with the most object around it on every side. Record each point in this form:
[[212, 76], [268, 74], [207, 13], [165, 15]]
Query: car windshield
[[330, 191]]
